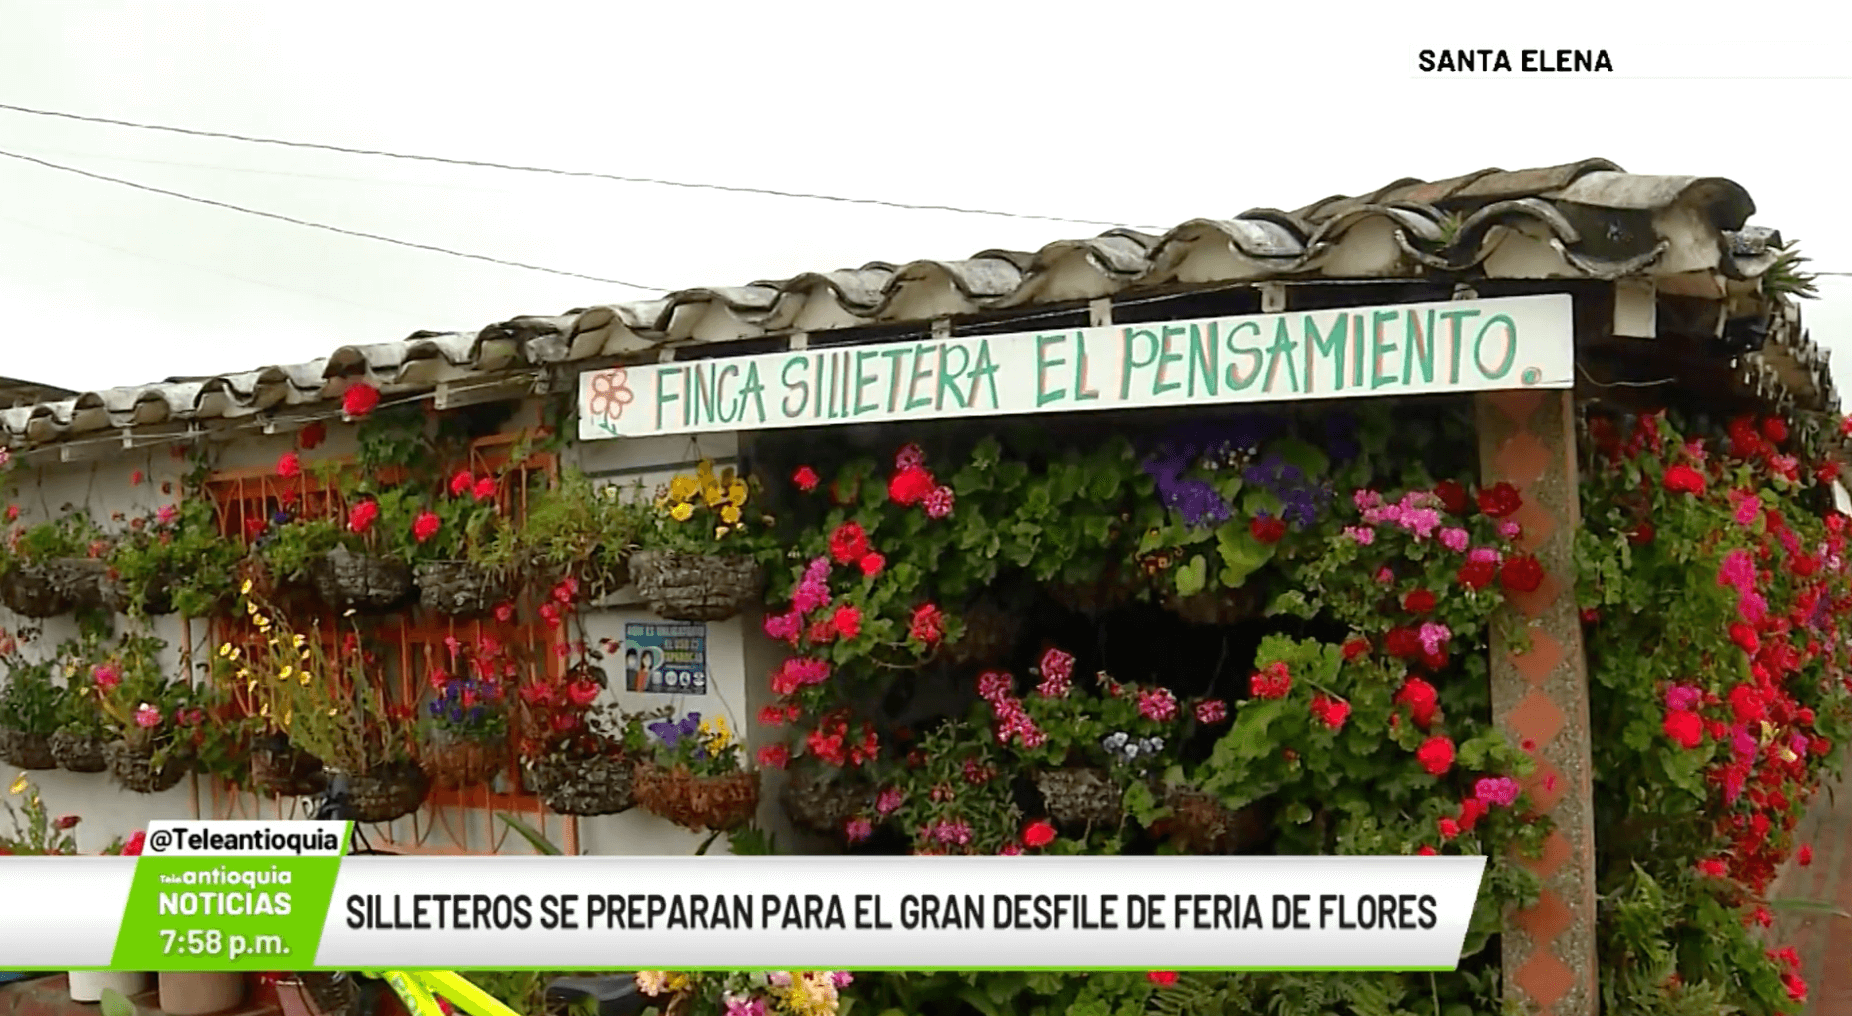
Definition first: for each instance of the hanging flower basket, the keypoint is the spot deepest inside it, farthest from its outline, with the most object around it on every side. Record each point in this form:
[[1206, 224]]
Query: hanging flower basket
[[1111, 589], [458, 762], [78, 754], [26, 751], [1080, 796], [279, 769], [82, 580], [600, 576], [695, 587], [461, 588], [603, 785], [1216, 607], [1201, 824], [136, 771], [698, 802], [363, 583], [29, 591], [386, 792], [990, 633], [157, 596], [825, 806]]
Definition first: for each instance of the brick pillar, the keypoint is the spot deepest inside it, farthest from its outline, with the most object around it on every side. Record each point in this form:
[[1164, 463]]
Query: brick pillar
[[1540, 700]]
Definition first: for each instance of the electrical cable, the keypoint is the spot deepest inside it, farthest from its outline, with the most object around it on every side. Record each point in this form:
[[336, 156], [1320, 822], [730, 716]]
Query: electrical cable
[[322, 225], [580, 173]]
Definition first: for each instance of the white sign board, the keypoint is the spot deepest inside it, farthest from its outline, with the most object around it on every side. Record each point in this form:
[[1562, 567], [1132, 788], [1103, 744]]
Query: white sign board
[[1400, 349]]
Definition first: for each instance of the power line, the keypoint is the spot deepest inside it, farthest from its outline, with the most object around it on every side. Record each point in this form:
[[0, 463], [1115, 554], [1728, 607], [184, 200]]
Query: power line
[[581, 173], [322, 225]]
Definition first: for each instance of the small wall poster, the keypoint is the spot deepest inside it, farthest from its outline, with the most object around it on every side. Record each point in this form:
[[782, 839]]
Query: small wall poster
[[665, 659]]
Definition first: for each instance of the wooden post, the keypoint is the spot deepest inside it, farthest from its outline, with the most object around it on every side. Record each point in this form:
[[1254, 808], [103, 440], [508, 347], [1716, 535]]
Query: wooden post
[[1540, 700]]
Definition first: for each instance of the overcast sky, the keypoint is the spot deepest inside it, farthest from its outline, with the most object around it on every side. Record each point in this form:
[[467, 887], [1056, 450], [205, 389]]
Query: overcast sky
[[1148, 114]]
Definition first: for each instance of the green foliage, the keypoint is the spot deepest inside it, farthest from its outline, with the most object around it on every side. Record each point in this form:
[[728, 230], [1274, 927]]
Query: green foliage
[[71, 534], [30, 701], [575, 527], [178, 550], [35, 832]]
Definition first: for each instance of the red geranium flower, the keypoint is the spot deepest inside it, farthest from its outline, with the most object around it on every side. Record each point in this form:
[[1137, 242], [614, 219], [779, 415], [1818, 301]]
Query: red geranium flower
[[1448, 828], [426, 526], [1500, 500], [774, 756], [1685, 728], [1356, 647], [927, 625], [1039, 833], [1421, 699], [1477, 574], [872, 563], [461, 482], [1402, 643], [1162, 978], [485, 489], [1452, 497], [1521, 574], [1804, 856], [805, 478], [133, 847], [1418, 601], [1267, 529], [1775, 429], [289, 465], [360, 519], [360, 399], [910, 486], [847, 621], [1684, 480], [1745, 638], [1435, 755], [849, 543], [312, 435]]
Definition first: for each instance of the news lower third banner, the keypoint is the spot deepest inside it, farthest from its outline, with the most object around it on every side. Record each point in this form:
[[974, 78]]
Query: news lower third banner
[[285, 896]]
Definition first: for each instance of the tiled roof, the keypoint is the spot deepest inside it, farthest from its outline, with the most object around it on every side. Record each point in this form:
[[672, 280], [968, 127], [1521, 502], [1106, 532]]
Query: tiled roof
[[1584, 220]]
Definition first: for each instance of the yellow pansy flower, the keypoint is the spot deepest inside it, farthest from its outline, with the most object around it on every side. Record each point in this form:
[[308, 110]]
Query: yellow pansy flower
[[246, 588], [712, 494], [286, 672], [682, 488], [682, 512], [730, 514], [736, 492], [20, 783]]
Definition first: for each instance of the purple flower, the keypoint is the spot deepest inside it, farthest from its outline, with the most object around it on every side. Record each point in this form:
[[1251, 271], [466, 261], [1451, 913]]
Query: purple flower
[[1683, 698]]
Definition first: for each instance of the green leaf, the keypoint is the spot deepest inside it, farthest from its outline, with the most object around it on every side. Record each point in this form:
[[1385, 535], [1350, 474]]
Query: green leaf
[[1306, 456], [1795, 905], [1242, 554], [1192, 577], [114, 1003], [533, 836]]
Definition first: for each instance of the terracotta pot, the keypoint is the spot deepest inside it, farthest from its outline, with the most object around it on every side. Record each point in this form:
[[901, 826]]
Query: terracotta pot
[[89, 985], [200, 994]]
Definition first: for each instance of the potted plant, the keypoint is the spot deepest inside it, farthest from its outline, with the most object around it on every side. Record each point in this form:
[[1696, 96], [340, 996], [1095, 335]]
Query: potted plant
[[698, 556], [274, 766], [81, 742], [359, 562], [29, 709], [149, 752], [466, 719], [335, 704], [1087, 745], [953, 797], [54, 566], [692, 776], [574, 529], [579, 754], [173, 560], [461, 569]]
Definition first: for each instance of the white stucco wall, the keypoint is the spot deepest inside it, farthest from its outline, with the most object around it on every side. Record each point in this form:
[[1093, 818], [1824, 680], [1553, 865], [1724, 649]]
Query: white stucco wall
[[104, 486]]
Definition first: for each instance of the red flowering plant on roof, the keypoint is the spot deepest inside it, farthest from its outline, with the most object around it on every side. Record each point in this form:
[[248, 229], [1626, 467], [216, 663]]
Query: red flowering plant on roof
[[1715, 595]]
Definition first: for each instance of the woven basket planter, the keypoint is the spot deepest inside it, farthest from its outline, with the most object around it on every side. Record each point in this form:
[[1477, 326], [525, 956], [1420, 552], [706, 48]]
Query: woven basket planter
[[990, 633], [1200, 824], [135, 770], [695, 587], [1077, 796], [386, 792], [1216, 607], [78, 754], [825, 806], [604, 785], [26, 751], [458, 762], [156, 597], [363, 583], [279, 769], [716, 803], [29, 591], [460, 588], [1111, 589]]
